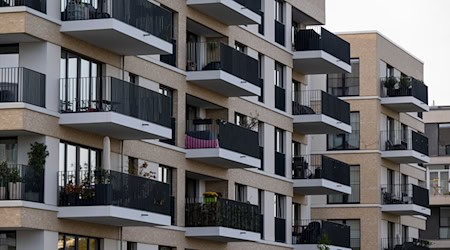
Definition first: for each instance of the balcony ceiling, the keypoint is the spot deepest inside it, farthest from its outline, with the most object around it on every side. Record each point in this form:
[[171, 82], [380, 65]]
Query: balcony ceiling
[[319, 187], [405, 104], [222, 234], [319, 124], [405, 156], [226, 11], [223, 158], [406, 209], [319, 62]]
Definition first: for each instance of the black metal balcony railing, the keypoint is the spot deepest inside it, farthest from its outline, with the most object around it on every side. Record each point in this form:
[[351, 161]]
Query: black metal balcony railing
[[280, 166], [319, 102], [313, 231], [39, 5], [280, 230], [403, 140], [141, 14], [219, 56], [280, 98], [252, 5], [344, 141], [104, 94], [261, 26], [353, 198], [21, 182], [403, 86], [343, 86], [206, 133], [22, 85], [218, 212], [404, 244], [308, 39], [170, 59], [173, 126], [320, 166], [108, 187], [279, 33], [404, 194]]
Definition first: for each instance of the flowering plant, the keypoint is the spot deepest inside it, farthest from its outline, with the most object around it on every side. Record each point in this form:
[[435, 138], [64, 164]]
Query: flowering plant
[[210, 194]]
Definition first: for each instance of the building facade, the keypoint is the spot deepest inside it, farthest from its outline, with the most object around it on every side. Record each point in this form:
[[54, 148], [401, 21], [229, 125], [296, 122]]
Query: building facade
[[386, 148], [172, 125]]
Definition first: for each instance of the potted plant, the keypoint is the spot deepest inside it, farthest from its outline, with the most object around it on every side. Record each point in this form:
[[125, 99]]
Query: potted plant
[[34, 187], [323, 243], [389, 83], [405, 86], [15, 184], [4, 173], [72, 193], [210, 197]]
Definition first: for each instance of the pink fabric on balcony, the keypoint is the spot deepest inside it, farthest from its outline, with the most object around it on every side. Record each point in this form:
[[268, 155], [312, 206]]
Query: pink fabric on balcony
[[192, 142]]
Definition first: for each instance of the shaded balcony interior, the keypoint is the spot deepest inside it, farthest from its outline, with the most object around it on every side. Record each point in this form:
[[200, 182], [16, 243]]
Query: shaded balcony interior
[[317, 112], [307, 234], [404, 94], [230, 12], [39, 5], [404, 243], [213, 64], [319, 174], [404, 146], [345, 84], [405, 199], [318, 51], [113, 198], [21, 182], [212, 139], [125, 27], [116, 108]]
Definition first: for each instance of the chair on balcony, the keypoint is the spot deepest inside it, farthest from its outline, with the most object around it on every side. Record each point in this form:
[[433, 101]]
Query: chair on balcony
[[310, 234], [391, 146], [301, 168], [298, 109]]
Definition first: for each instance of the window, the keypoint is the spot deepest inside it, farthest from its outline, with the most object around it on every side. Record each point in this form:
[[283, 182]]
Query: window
[[346, 141], [354, 197], [296, 214], [8, 150], [261, 209], [439, 180], [296, 149], [77, 162], [444, 138], [133, 78], [191, 188], [240, 47], [279, 140], [279, 76], [280, 92], [131, 246], [279, 11], [74, 242], [8, 240], [165, 176], [9, 55], [346, 84], [240, 192], [405, 233], [166, 248], [444, 222], [261, 76], [355, 232], [279, 206]]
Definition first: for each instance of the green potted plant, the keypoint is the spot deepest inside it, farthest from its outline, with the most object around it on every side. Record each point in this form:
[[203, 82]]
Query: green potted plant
[[389, 83], [4, 173], [15, 184], [405, 86], [34, 186], [210, 197], [323, 243]]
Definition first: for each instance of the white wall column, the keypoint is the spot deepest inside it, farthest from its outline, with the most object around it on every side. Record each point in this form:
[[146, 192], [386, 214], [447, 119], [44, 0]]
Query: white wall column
[[34, 239], [269, 219]]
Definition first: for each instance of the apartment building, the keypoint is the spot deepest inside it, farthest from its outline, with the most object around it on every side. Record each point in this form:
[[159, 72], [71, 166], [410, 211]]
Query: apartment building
[[170, 124], [386, 148], [436, 127]]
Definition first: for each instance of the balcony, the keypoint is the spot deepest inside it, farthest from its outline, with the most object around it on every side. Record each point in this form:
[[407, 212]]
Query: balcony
[[222, 220], [317, 112], [404, 146], [222, 144], [405, 199], [320, 52], [230, 12], [123, 27], [404, 244], [222, 69], [320, 175], [404, 94], [22, 85], [115, 108], [307, 235], [39, 5], [280, 230], [113, 198], [21, 183]]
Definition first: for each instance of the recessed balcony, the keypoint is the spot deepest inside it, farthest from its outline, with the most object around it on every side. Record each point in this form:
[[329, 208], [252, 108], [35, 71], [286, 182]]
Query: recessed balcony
[[317, 112], [115, 108], [21, 183], [39, 5], [222, 144], [318, 51], [113, 198], [320, 175], [222, 69], [123, 27], [404, 94], [222, 220], [404, 146], [405, 199], [306, 235], [229, 12]]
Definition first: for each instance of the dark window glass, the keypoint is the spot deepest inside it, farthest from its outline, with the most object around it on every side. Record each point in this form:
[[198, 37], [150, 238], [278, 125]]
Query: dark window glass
[[346, 141], [352, 198], [345, 84]]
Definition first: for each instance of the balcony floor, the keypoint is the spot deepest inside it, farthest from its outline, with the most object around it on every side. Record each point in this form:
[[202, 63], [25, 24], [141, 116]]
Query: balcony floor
[[319, 187], [405, 156], [223, 158], [318, 62], [115, 125], [223, 83], [116, 36], [405, 104], [114, 216], [405, 209], [222, 234], [314, 247], [226, 11], [319, 124]]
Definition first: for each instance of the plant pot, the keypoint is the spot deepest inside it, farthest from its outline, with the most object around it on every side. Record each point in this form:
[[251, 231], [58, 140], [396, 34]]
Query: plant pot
[[2, 193], [15, 190], [103, 194], [207, 200]]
